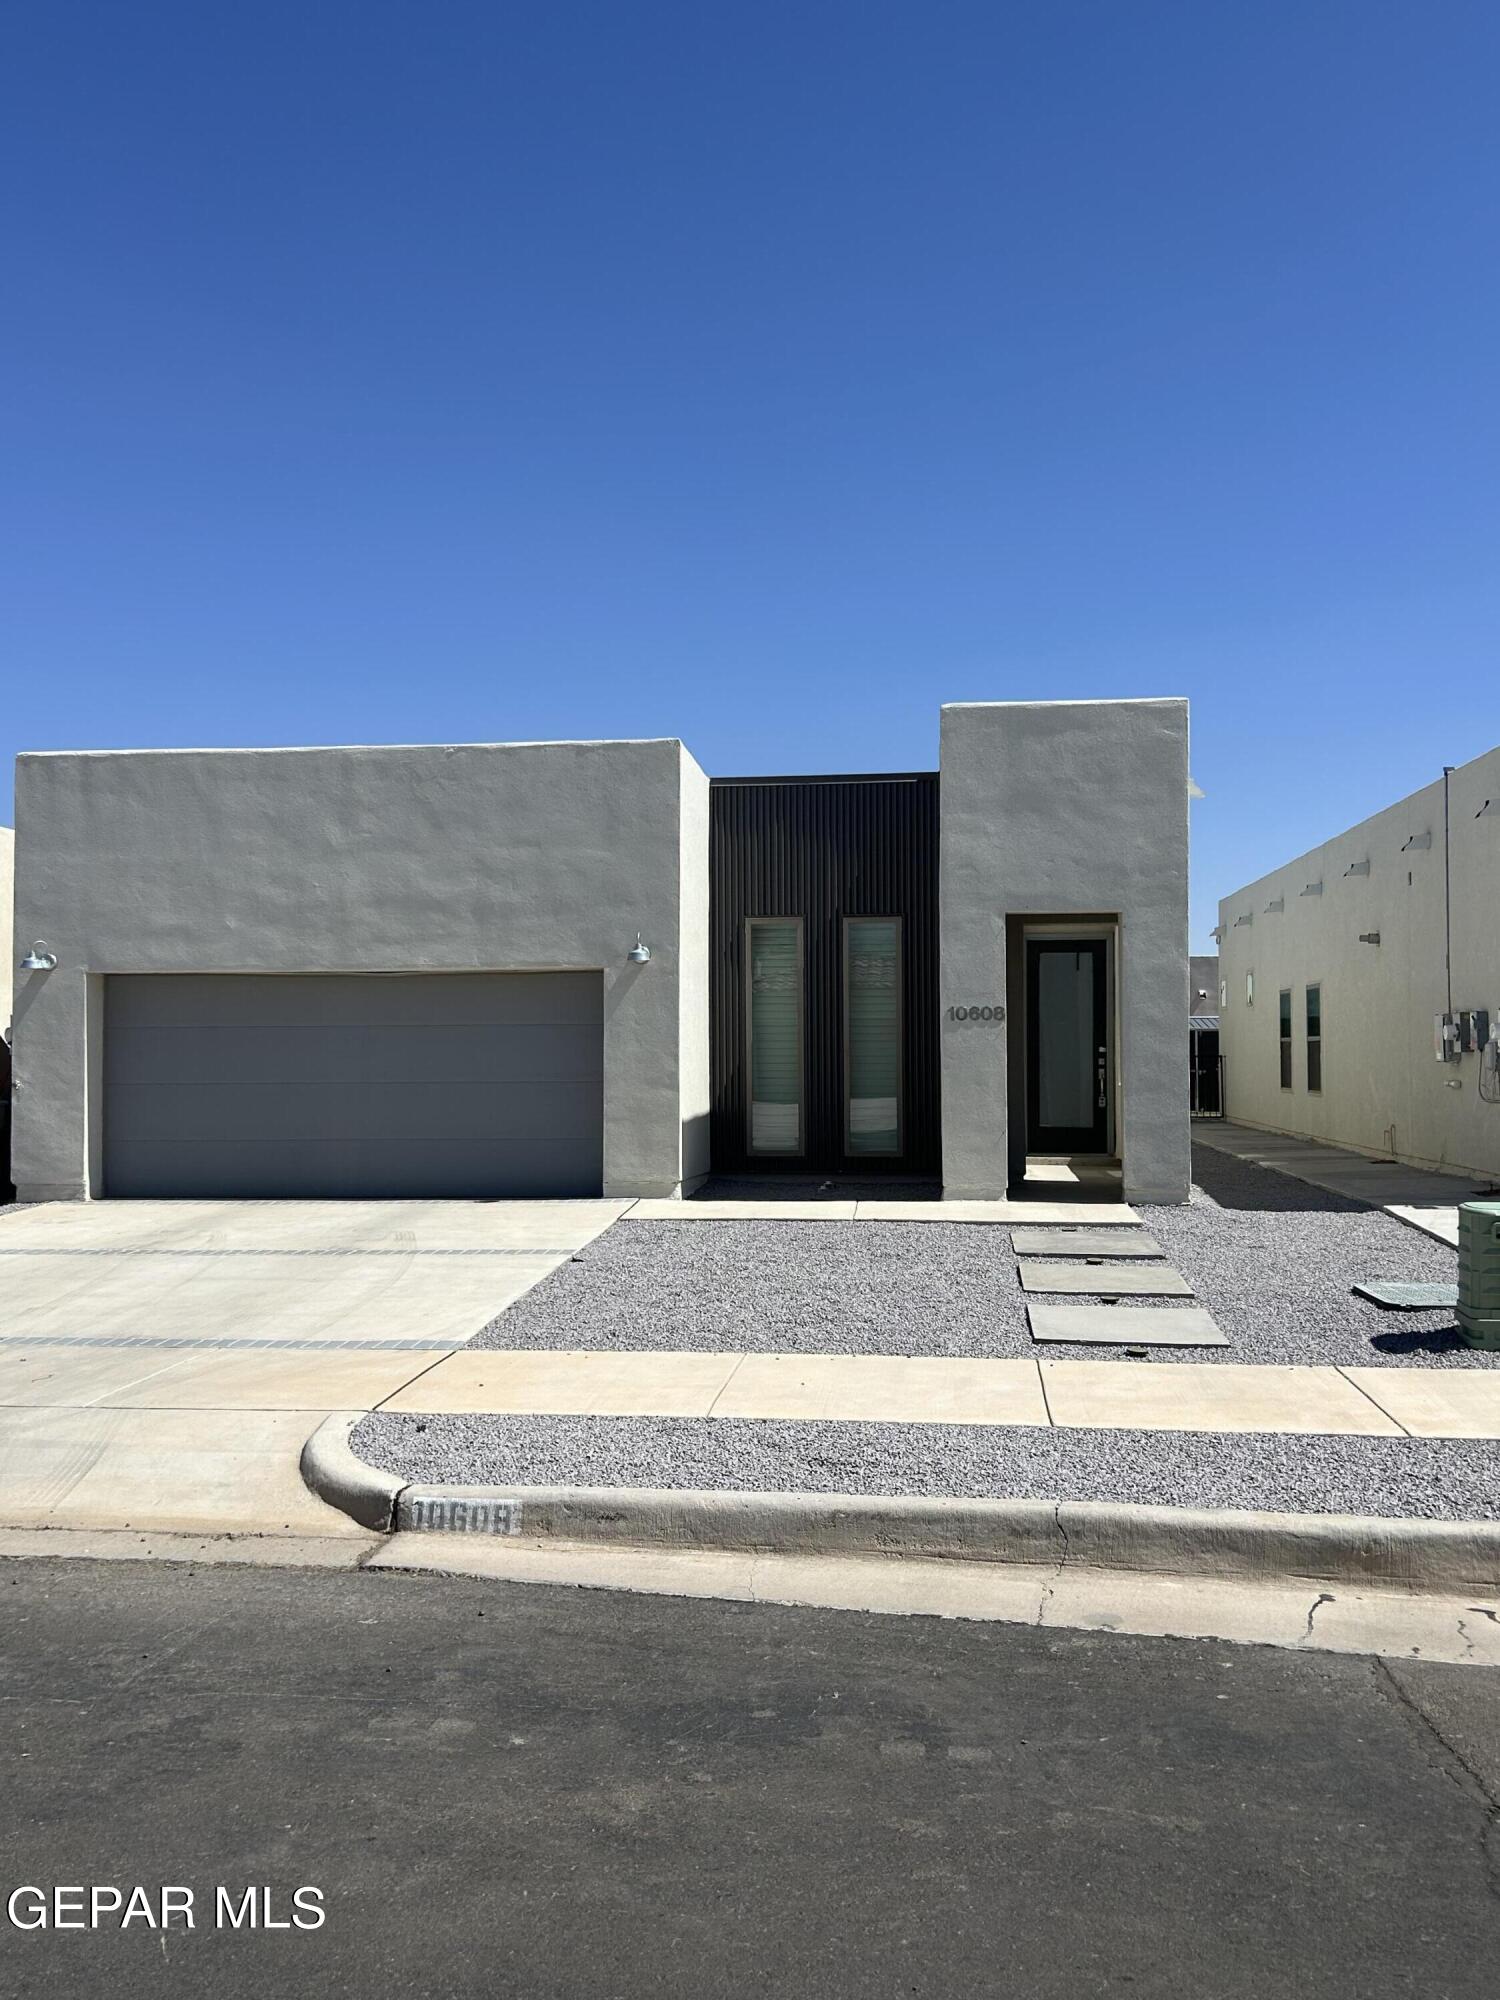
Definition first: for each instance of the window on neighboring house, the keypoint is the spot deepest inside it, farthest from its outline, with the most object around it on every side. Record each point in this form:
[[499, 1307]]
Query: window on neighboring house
[[774, 1000], [1286, 1040], [1315, 1038], [872, 1035]]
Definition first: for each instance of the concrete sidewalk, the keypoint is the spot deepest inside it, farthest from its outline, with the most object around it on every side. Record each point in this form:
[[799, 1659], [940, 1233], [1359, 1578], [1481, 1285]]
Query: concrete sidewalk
[[433, 1271], [163, 1363], [1355, 1176], [1171, 1396], [1044, 1209], [208, 1443]]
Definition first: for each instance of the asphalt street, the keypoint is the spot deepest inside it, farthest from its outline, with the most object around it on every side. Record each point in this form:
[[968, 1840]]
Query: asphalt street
[[505, 1790]]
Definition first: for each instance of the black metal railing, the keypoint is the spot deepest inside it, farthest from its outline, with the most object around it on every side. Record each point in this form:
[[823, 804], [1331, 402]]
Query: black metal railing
[[1207, 1087]]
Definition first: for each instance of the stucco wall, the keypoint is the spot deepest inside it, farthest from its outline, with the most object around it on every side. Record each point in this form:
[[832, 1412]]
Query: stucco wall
[[7, 939], [1077, 808], [1379, 1070], [476, 857], [693, 980], [1203, 985]]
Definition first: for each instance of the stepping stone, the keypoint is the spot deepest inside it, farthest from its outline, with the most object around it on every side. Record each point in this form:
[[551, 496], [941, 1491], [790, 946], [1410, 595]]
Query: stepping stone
[[1084, 1243], [1399, 1296], [1125, 1326], [1152, 1280]]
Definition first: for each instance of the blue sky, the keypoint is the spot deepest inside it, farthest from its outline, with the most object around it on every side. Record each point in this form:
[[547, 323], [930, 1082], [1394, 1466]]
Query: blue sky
[[759, 374]]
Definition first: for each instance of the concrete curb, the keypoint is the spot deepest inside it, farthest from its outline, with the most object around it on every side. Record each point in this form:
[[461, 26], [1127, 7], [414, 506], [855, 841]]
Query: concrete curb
[[1461, 1556], [336, 1475], [1417, 1555]]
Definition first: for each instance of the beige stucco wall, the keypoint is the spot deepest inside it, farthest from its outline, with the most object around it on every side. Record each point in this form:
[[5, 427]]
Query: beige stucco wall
[[443, 858], [7, 934], [1383, 1090]]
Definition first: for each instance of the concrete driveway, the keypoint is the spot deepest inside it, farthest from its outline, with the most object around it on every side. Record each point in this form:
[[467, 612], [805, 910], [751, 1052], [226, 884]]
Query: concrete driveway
[[162, 1363]]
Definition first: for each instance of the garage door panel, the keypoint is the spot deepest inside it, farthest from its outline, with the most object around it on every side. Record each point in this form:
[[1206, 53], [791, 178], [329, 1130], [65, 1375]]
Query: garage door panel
[[484, 999], [459, 1170], [271, 1111], [241, 1086], [179, 1055]]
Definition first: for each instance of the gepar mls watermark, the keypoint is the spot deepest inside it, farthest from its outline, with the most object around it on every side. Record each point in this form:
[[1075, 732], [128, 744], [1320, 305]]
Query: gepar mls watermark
[[101, 1906]]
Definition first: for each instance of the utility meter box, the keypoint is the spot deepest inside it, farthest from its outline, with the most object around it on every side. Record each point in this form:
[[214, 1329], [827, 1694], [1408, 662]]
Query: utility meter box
[[1479, 1273]]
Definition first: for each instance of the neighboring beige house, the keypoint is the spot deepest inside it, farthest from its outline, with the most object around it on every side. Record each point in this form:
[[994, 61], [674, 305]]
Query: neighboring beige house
[[1360, 984]]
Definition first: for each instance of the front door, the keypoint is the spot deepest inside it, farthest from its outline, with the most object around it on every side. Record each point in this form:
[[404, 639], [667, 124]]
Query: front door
[[1067, 1045]]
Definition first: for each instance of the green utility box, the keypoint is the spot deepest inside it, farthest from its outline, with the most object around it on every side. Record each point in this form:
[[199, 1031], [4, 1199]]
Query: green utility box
[[1479, 1273]]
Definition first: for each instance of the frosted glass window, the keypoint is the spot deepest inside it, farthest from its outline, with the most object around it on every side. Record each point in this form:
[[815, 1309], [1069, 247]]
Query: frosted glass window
[[1065, 1038], [775, 948], [872, 1016]]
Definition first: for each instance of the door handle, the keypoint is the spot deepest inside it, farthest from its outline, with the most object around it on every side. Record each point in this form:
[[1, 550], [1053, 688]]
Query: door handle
[[1103, 1092]]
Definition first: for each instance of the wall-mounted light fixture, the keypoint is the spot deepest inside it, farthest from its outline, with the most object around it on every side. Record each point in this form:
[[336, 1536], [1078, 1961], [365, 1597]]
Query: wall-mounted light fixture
[[639, 953], [1247, 918], [1358, 868], [40, 958], [1217, 933], [1313, 888], [1487, 807], [1369, 937], [1276, 905], [1416, 840]]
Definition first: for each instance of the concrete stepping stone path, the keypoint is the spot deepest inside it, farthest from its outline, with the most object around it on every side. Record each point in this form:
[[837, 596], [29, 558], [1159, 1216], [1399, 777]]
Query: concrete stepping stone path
[[1084, 1243], [1117, 1326], [1096, 1277]]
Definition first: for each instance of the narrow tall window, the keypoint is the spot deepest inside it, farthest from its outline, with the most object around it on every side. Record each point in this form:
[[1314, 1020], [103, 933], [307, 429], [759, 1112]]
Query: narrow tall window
[[774, 950], [1286, 1040], [872, 1035], [1315, 1038]]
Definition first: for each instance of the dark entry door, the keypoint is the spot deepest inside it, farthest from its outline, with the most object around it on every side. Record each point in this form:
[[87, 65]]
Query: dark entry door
[[1067, 1045]]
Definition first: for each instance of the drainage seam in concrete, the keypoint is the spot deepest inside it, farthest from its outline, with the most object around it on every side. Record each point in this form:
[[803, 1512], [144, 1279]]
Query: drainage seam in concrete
[[431, 1345], [540, 1250]]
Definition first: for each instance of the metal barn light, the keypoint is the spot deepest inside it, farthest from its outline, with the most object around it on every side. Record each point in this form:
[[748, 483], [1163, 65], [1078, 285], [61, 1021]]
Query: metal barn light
[[40, 958], [639, 953]]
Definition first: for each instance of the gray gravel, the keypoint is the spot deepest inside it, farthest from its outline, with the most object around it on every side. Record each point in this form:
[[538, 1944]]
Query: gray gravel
[[1271, 1258], [1437, 1479]]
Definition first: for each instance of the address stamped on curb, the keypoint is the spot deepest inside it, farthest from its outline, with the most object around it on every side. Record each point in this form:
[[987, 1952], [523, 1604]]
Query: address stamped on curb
[[462, 1517]]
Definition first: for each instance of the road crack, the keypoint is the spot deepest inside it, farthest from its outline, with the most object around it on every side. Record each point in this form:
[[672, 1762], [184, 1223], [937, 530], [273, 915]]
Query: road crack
[[1455, 1766], [1062, 1561], [1323, 1597]]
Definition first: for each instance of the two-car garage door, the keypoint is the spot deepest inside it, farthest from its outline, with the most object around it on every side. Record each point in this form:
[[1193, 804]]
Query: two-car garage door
[[431, 1085]]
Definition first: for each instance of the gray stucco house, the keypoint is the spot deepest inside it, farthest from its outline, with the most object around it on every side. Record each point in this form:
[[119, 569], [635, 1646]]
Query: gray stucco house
[[483, 970]]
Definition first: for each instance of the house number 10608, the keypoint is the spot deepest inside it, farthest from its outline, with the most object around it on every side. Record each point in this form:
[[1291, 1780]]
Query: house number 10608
[[976, 1013]]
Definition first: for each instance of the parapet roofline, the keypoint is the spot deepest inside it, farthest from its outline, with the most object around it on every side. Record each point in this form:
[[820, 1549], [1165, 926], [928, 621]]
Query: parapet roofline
[[1081, 701], [832, 778], [354, 749]]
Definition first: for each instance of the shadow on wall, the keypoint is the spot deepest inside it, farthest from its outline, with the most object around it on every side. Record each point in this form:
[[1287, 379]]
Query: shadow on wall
[[1241, 1184], [814, 1187]]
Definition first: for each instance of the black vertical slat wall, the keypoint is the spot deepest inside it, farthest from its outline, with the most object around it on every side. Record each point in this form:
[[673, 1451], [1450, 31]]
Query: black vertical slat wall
[[824, 849]]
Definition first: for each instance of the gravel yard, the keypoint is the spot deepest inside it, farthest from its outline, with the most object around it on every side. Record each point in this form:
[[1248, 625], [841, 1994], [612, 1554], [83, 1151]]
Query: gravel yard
[[1271, 1258], [1438, 1479]]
